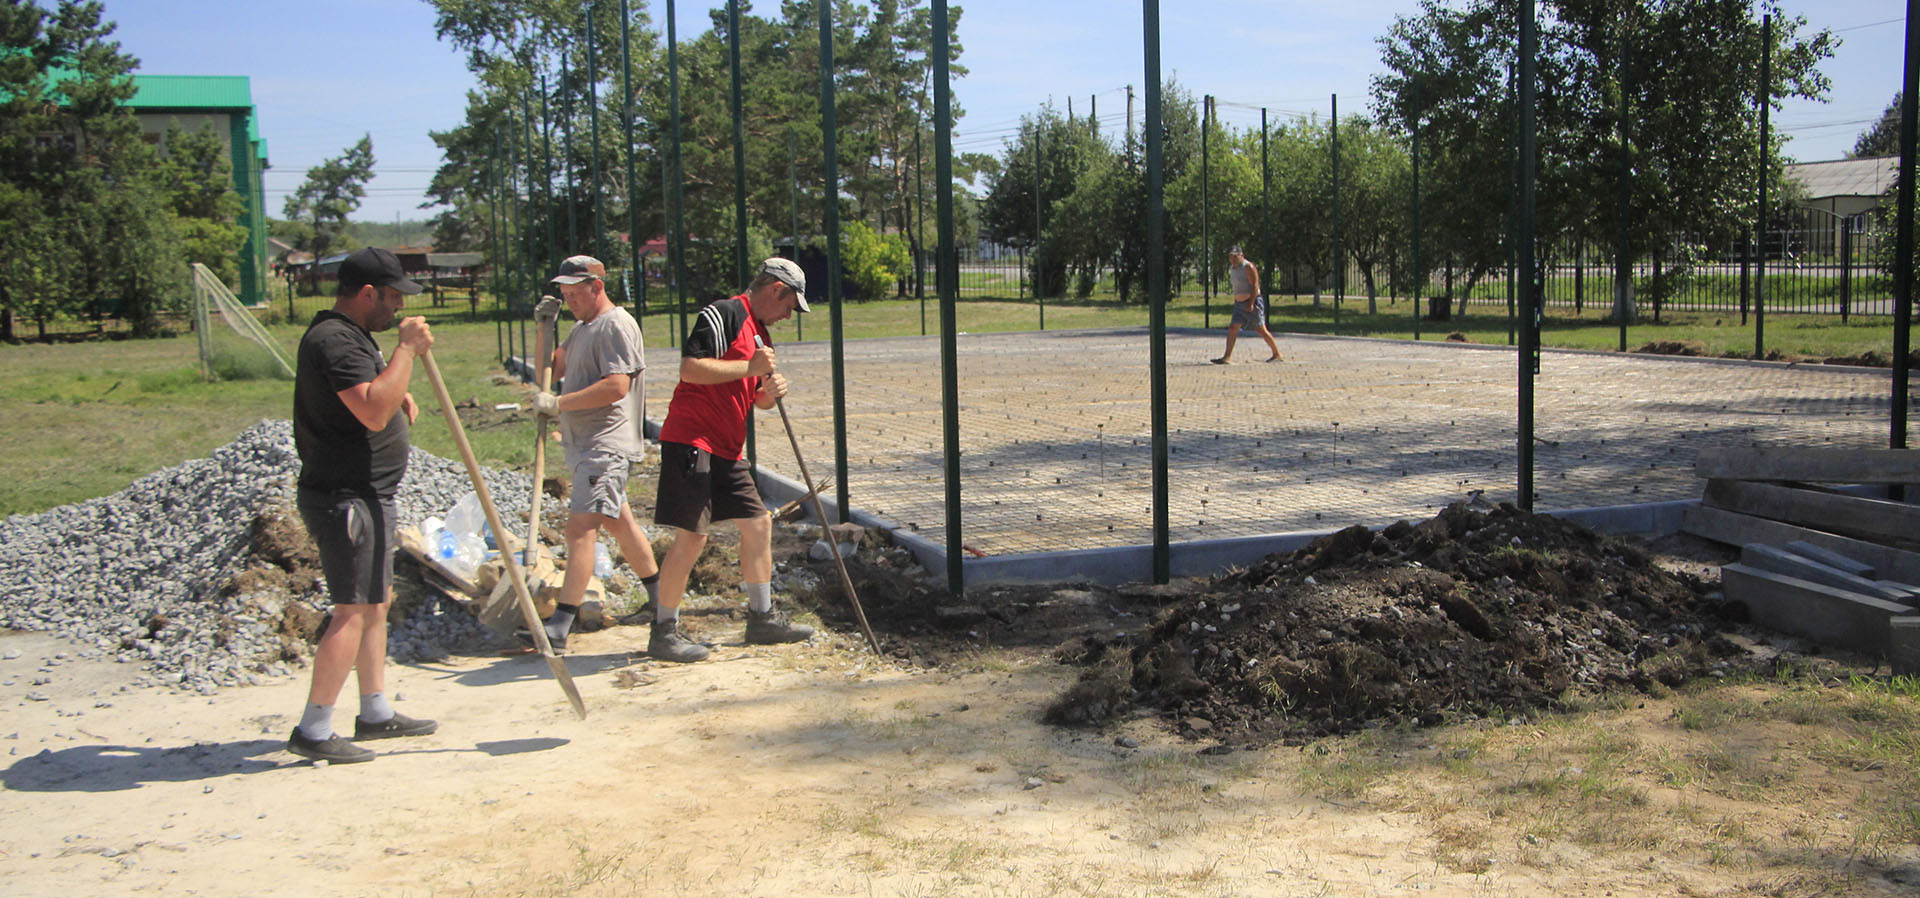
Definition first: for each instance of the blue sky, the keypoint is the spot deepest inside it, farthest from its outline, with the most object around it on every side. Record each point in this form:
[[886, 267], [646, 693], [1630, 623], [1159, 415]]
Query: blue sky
[[326, 71]]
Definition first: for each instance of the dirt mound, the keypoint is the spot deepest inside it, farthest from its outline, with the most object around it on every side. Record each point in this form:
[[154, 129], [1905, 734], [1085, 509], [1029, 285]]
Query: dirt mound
[[1692, 348], [1470, 614]]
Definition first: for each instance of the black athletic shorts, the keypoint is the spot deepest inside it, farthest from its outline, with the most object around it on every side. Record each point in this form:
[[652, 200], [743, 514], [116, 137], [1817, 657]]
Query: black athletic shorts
[[354, 533], [698, 487]]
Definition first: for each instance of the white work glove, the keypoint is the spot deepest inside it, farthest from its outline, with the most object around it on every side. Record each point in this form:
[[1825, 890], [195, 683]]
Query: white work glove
[[546, 405]]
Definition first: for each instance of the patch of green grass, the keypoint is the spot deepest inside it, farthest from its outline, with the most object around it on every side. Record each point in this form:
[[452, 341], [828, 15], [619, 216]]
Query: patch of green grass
[[1344, 768], [1712, 709], [98, 415]]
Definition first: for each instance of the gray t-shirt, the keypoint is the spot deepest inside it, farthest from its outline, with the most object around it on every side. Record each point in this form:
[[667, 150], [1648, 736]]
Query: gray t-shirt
[[1241, 276], [609, 344]]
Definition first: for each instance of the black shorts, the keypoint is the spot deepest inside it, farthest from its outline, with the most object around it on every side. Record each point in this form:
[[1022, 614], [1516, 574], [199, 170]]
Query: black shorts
[[354, 534], [698, 487]]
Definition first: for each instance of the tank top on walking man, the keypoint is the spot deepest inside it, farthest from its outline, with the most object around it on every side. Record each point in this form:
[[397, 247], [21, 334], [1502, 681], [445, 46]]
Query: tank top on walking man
[[599, 367], [1249, 305], [351, 412], [726, 370]]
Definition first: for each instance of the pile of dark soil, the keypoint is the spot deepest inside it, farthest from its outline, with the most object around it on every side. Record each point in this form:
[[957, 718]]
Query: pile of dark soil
[[1692, 348], [1470, 614]]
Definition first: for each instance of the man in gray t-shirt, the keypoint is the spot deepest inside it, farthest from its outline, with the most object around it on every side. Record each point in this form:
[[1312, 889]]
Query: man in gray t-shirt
[[598, 404]]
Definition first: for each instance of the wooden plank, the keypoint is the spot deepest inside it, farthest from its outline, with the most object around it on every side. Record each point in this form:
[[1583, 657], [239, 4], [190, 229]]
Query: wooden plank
[[1815, 465], [1823, 614], [1892, 523], [1781, 561], [1737, 529], [1832, 559]]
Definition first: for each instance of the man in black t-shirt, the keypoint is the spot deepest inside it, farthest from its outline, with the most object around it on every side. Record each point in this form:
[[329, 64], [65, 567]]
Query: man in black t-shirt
[[351, 411]]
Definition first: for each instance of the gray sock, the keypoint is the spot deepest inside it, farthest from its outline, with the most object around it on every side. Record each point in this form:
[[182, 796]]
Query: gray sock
[[652, 585], [663, 615], [561, 621], [759, 597], [317, 722], [374, 708]]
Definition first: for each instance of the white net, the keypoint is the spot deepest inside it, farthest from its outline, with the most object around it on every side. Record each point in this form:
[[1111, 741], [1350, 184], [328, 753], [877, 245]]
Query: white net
[[242, 350]]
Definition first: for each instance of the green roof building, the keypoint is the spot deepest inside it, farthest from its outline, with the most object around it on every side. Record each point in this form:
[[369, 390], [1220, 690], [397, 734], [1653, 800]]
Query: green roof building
[[226, 103]]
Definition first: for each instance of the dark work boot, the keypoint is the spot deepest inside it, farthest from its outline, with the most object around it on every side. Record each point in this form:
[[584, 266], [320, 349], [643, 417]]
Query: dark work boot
[[667, 643], [773, 627]]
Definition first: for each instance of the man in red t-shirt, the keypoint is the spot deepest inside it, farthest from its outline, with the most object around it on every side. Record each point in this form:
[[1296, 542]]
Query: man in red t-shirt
[[726, 369]]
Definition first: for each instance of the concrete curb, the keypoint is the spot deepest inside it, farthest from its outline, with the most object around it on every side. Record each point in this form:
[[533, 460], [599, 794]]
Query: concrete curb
[[1114, 565]]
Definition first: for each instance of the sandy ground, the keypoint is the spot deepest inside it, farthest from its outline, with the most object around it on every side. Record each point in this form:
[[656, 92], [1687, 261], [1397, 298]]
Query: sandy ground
[[795, 770]]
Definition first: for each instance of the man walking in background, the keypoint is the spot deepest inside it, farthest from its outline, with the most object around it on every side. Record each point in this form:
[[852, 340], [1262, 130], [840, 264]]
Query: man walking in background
[[1249, 305], [726, 370], [351, 411], [599, 366]]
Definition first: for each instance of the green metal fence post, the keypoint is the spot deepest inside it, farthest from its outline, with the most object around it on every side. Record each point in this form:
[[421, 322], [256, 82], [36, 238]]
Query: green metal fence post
[[678, 240], [1157, 294], [793, 180], [1206, 222], [739, 145], [1765, 98], [831, 193], [566, 152], [1529, 354], [1419, 273], [634, 237], [1339, 248], [1903, 266], [598, 237], [946, 275]]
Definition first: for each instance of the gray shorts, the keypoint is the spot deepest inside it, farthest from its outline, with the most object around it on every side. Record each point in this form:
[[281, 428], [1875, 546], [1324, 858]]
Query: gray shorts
[[1257, 317], [599, 485], [354, 534]]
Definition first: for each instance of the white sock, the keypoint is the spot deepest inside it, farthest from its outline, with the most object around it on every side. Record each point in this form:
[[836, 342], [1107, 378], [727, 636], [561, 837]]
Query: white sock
[[317, 722], [374, 708], [759, 597], [662, 615]]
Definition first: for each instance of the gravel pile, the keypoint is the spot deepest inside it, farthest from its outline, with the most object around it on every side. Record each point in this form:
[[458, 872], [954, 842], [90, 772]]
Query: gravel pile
[[138, 576]]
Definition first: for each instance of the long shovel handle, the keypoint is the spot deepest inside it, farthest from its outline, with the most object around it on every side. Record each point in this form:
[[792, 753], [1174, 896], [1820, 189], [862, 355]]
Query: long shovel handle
[[833, 545], [544, 316], [505, 538]]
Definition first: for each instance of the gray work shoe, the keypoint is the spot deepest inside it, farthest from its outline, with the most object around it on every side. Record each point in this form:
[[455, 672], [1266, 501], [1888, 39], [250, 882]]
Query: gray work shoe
[[773, 627], [668, 644], [334, 749]]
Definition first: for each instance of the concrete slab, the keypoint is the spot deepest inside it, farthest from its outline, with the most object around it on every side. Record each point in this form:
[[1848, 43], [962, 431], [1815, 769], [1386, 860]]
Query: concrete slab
[[1823, 614]]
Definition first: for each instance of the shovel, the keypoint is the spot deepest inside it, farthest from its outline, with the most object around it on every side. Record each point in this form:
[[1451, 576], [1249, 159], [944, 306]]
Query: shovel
[[544, 314], [508, 552], [840, 564]]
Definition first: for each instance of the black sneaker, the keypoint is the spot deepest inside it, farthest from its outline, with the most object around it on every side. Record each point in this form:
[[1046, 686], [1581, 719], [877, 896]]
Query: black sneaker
[[668, 644], [334, 749], [773, 627], [397, 725]]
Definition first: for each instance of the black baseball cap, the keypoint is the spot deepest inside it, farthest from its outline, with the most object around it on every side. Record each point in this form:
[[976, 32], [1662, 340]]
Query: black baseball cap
[[376, 267]]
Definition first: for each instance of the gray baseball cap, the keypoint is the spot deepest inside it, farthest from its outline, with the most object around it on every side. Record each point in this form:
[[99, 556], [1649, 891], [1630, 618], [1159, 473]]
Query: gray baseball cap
[[575, 269], [785, 271]]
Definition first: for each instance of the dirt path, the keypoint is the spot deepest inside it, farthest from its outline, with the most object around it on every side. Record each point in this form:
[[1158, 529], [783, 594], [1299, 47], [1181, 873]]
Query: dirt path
[[797, 770]]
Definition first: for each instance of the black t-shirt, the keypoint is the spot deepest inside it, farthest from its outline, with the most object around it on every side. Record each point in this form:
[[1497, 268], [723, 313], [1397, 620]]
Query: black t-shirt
[[337, 452]]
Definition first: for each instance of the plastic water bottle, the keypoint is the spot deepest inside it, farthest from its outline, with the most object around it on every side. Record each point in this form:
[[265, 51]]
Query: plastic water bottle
[[448, 547], [602, 563]]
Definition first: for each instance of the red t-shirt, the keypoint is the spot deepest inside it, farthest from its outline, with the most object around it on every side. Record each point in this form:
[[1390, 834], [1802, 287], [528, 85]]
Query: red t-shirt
[[714, 416]]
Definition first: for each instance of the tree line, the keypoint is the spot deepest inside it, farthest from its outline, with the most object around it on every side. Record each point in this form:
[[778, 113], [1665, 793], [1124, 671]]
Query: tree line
[[547, 70], [99, 222], [1648, 133]]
